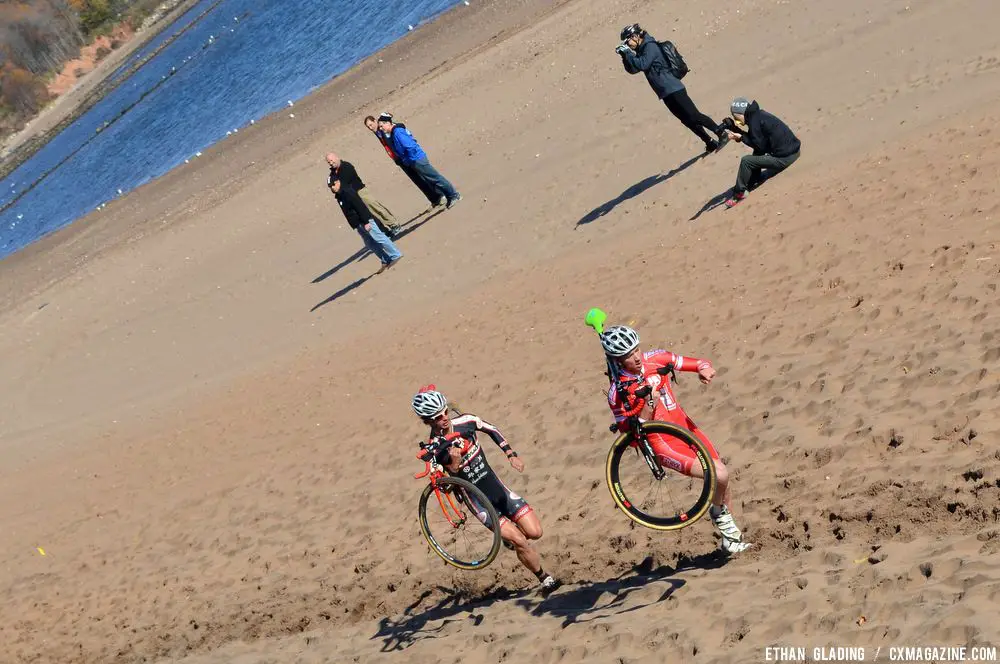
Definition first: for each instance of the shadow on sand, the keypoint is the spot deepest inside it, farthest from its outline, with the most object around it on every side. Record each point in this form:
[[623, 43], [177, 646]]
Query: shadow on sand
[[402, 632], [636, 189], [342, 292], [719, 199], [593, 600], [576, 603], [363, 252], [407, 228]]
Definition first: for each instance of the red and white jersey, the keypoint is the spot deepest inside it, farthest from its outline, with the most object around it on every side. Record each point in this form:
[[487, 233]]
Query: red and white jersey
[[666, 408]]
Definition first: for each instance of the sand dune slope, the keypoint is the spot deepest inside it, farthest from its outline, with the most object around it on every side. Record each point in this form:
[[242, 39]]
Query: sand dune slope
[[242, 491]]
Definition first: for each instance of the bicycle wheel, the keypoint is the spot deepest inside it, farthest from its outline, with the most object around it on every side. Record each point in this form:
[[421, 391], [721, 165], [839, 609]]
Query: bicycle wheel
[[671, 503], [450, 519]]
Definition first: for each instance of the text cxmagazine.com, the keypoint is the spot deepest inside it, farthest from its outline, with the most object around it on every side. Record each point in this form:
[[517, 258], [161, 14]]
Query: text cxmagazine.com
[[880, 654]]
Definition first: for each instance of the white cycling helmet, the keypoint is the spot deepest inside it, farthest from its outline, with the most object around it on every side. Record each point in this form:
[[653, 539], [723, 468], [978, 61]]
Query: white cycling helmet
[[428, 402], [620, 340]]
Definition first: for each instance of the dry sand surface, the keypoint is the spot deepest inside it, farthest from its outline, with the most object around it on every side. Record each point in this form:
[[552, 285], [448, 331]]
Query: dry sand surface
[[205, 418]]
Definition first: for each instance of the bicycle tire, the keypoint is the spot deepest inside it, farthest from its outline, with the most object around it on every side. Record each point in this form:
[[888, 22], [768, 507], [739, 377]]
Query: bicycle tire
[[680, 519], [442, 552]]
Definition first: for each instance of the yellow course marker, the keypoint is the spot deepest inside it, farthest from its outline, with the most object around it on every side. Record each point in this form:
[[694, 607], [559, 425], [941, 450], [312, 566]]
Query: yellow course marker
[[41, 551]]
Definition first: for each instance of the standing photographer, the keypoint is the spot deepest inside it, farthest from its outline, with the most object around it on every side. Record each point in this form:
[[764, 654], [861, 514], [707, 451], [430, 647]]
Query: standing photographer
[[641, 53]]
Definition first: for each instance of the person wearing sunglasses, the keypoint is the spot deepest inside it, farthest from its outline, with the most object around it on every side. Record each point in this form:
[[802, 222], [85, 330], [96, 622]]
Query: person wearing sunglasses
[[466, 459]]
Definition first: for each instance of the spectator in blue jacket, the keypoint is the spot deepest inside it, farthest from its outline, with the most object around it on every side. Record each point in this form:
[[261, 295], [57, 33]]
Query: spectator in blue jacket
[[429, 192], [410, 154]]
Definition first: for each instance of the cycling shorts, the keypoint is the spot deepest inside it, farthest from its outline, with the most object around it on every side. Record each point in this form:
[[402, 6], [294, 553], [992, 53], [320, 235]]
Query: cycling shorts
[[677, 455], [509, 505]]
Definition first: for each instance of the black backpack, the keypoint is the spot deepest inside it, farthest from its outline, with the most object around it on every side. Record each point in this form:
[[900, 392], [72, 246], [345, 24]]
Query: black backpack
[[674, 59]]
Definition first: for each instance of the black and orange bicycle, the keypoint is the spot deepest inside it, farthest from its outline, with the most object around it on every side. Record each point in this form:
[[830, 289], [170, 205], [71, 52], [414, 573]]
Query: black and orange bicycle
[[453, 523]]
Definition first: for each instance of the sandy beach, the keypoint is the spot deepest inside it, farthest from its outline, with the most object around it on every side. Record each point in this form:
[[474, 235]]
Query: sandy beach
[[205, 418]]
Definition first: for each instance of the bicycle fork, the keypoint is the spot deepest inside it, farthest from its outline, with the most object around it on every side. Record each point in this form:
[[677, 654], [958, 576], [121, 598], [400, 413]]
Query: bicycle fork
[[459, 516]]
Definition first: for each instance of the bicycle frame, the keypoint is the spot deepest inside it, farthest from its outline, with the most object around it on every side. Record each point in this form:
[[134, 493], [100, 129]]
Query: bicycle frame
[[435, 472]]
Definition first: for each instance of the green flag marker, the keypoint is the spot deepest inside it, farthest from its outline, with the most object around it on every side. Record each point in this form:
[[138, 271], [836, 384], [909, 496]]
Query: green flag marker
[[595, 319]]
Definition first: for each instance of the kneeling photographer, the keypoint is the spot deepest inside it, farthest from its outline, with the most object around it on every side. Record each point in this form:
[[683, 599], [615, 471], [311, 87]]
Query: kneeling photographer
[[775, 147]]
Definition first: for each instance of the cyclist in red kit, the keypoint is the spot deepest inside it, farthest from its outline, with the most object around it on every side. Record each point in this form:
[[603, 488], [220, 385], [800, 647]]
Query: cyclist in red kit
[[638, 368]]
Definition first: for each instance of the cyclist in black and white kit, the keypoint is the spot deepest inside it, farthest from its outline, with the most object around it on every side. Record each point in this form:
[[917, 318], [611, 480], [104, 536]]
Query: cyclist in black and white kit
[[467, 460]]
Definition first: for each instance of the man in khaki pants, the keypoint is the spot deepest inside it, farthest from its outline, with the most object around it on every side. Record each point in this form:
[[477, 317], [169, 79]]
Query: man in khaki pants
[[345, 171]]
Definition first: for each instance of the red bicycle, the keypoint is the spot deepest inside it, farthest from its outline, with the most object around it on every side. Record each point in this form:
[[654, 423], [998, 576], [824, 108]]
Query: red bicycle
[[454, 524]]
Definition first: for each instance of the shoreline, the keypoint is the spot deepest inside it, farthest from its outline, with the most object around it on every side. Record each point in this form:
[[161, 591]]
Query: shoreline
[[108, 83], [395, 49], [81, 97]]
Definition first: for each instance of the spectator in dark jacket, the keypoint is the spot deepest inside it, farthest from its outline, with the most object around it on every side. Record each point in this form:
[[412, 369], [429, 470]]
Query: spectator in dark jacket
[[774, 146], [426, 189], [359, 217], [409, 153], [641, 53], [345, 171]]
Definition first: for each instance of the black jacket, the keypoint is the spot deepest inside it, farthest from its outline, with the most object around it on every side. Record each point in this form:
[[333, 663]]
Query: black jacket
[[348, 175], [649, 60], [354, 209], [766, 134]]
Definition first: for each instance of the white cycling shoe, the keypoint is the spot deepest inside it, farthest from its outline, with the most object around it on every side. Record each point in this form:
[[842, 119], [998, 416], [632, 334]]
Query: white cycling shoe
[[732, 536], [548, 584]]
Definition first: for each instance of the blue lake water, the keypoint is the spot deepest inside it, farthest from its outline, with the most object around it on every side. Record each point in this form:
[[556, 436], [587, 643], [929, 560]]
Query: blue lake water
[[241, 61]]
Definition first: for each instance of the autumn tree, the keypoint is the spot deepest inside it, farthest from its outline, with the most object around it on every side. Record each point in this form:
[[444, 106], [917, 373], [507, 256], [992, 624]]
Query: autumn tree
[[38, 37], [21, 90]]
